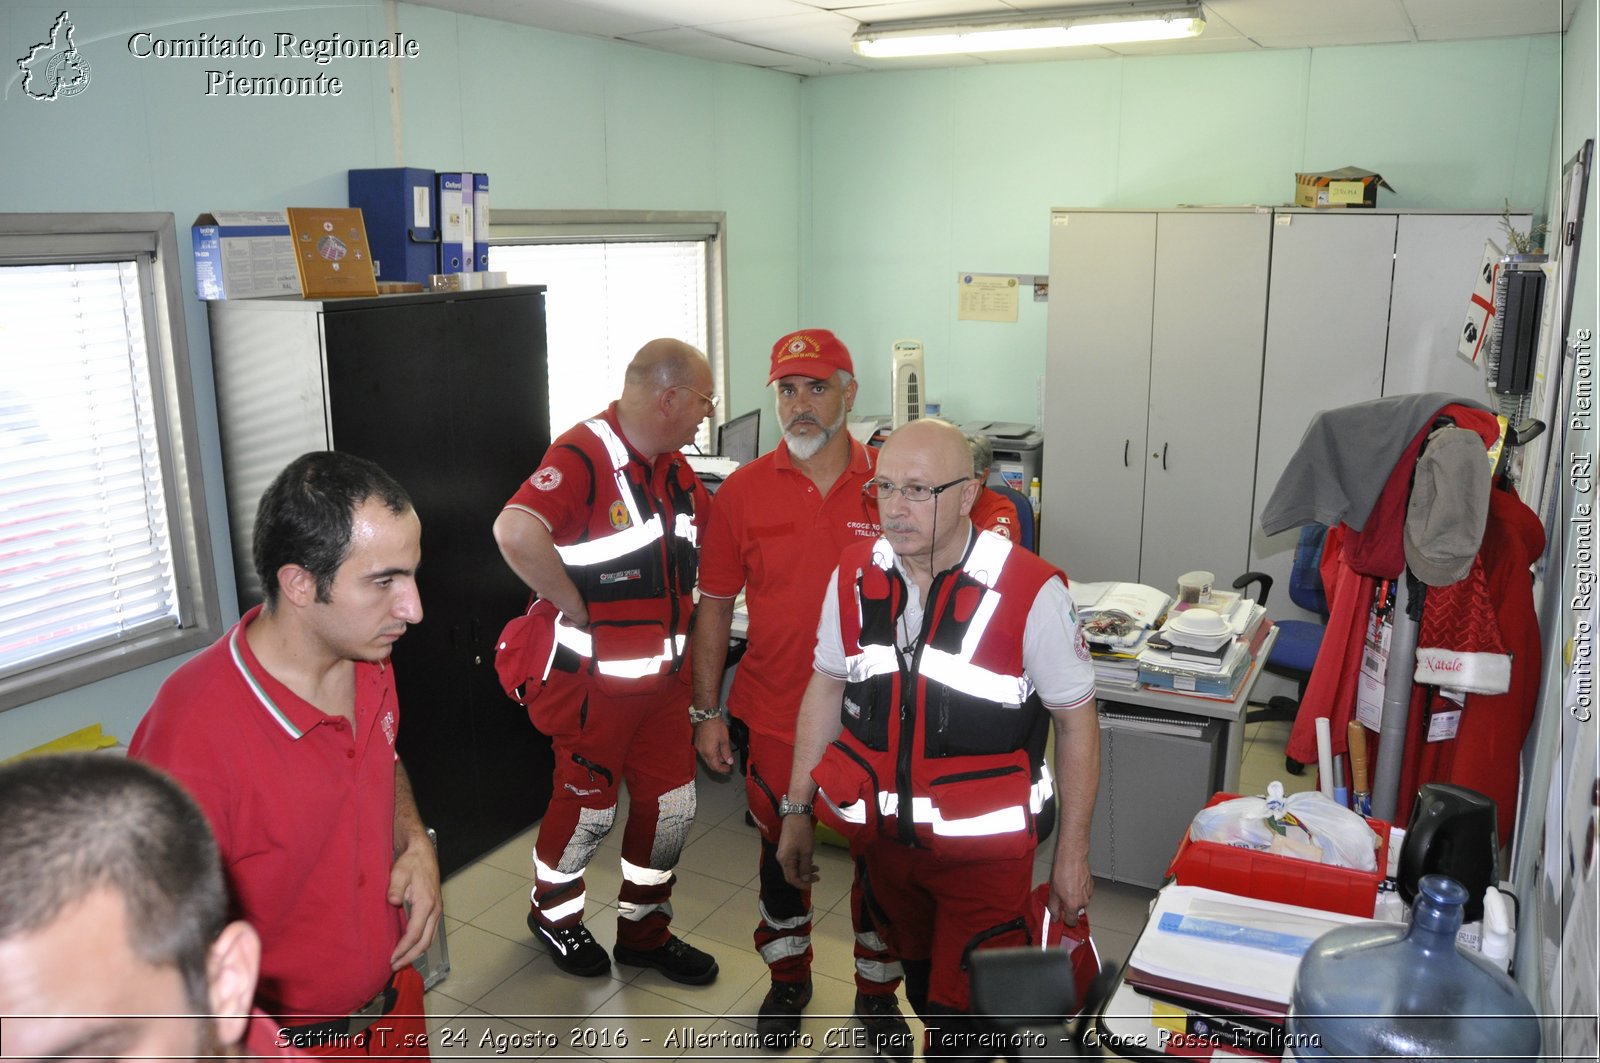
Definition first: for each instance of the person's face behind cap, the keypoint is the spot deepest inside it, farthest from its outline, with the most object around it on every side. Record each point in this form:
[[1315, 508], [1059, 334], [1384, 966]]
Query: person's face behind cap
[[809, 407], [76, 990], [923, 454]]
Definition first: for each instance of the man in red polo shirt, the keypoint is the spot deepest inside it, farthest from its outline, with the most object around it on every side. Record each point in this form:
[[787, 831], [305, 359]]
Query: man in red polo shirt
[[284, 732], [776, 532]]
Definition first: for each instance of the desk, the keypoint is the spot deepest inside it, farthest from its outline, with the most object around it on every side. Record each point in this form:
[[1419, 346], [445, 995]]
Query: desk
[[1231, 713], [1155, 771]]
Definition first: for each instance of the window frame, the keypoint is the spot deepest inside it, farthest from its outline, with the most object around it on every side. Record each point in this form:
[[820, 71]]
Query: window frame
[[518, 226], [150, 241]]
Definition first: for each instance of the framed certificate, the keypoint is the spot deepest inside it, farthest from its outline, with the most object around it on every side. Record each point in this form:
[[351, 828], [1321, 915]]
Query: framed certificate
[[331, 253]]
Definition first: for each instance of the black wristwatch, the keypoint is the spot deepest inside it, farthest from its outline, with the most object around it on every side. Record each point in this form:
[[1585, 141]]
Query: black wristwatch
[[787, 807]]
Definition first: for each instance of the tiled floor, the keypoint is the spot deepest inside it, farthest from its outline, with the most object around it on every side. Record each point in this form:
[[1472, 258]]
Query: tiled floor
[[504, 998]]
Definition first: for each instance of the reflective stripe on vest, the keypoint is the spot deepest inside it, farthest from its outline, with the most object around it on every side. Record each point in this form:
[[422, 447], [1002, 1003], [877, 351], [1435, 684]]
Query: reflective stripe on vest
[[955, 670], [582, 643], [872, 661], [684, 528], [638, 534], [1000, 821]]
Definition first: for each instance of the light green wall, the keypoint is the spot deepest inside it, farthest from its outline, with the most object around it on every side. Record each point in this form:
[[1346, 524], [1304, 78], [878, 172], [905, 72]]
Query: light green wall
[[851, 201], [556, 121], [917, 177]]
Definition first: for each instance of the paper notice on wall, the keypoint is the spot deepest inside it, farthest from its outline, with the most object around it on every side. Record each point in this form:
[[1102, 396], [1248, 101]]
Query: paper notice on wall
[[986, 298], [1480, 306]]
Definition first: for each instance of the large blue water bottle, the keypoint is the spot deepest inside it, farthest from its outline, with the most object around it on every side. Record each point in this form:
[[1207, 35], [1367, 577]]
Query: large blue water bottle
[[1373, 991]]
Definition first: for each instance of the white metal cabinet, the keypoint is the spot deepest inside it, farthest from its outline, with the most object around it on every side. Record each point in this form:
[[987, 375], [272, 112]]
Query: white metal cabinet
[[1326, 334], [1151, 391], [1097, 391], [1363, 304], [1436, 260]]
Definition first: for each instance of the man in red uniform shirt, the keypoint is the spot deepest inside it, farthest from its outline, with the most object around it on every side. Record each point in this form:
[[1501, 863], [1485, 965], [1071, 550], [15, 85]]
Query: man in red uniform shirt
[[606, 533], [991, 511], [284, 732], [943, 657], [776, 532], [114, 929]]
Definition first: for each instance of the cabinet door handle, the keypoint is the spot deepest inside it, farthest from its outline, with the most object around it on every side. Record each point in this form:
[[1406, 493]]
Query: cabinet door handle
[[1163, 457], [1125, 444]]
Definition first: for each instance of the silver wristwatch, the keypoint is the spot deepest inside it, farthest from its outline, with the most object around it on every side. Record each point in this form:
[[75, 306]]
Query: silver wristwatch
[[787, 807], [702, 715]]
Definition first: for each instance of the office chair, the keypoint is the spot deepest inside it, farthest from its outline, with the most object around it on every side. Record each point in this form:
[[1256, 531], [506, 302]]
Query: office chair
[[1024, 515], [1294, 653]]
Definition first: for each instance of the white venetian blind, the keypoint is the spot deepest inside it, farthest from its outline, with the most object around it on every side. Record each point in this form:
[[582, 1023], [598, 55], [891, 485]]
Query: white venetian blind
[[604, 301], [85, 559]]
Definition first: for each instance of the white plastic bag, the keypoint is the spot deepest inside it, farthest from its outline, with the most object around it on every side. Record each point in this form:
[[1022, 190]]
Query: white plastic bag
[[1307, 825]]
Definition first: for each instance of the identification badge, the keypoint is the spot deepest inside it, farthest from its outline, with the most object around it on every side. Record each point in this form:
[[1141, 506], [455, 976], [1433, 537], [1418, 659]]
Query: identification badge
[[1442, 726], [1374, 669]]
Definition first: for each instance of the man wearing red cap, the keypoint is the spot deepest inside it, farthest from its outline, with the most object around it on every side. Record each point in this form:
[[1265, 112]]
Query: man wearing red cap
[[776, 531]]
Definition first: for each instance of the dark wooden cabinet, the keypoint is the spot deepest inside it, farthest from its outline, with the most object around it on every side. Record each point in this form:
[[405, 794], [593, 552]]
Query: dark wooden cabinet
[[448, 392]]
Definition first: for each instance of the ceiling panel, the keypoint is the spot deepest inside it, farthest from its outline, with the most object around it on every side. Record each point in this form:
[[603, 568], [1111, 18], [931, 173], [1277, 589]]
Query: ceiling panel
[[563, 16], [701, 12], [1446, 19], [816, 34], [1271, 24], [867, 11], [811, 38], [703, 45]]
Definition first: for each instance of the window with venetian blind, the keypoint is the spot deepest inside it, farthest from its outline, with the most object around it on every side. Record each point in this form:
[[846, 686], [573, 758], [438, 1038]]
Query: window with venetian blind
[[614, 282], [105, 559]]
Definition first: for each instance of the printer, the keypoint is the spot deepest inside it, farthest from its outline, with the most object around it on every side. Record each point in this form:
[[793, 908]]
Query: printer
[[1018, 452]]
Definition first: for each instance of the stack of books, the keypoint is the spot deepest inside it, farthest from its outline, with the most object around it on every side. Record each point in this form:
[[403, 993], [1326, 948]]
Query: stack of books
[[1202, 651], [1118, 619]]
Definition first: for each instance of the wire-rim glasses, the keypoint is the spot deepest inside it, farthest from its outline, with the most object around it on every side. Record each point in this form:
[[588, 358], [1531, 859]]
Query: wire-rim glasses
[[882, 489]]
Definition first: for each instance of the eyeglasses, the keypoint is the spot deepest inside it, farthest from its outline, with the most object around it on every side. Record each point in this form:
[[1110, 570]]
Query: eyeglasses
[[882, 489], [713, 400]]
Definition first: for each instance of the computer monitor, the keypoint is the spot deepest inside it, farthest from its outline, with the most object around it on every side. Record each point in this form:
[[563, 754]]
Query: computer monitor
[[740, 438]]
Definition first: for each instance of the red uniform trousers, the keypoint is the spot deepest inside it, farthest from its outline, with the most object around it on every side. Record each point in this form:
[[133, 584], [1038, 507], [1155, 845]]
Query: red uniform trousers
[[401, 1034], [602, 740], [783, 934], [932, 911]]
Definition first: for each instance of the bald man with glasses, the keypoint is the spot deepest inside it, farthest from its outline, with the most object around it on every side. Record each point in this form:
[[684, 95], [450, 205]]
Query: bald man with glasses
[[944, 657]]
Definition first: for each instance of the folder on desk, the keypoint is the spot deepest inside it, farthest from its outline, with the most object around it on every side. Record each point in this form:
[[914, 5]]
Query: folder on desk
[[1224, 951]]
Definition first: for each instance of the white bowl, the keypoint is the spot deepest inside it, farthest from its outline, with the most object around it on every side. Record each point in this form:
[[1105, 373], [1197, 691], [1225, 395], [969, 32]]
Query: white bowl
[[1200, 622]]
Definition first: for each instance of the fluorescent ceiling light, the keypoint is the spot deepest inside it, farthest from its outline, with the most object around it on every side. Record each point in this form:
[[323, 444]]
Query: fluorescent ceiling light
[[1118, 24]]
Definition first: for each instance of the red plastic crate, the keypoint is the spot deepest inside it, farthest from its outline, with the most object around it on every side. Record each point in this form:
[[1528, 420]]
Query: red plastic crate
[[1285, 879]]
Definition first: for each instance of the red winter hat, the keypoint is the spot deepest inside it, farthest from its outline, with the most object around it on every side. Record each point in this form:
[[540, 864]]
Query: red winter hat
[[812, 352]]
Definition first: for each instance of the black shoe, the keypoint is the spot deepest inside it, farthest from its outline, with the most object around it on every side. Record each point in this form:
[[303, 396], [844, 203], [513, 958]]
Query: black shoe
[[880, 1016], [677, 960], [572, 948], [778, 1021]]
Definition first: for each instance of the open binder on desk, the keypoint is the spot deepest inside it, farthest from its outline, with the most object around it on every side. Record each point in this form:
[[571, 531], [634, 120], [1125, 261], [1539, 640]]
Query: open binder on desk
[[1224, 951]]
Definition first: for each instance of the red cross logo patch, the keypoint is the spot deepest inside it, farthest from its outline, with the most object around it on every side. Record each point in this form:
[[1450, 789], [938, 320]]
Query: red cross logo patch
[[547, 478]]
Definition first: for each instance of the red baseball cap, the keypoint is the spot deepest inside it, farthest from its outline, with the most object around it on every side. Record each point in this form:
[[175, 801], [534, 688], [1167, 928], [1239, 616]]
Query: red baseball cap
[[812, 352]]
